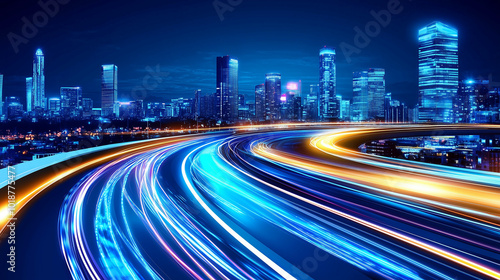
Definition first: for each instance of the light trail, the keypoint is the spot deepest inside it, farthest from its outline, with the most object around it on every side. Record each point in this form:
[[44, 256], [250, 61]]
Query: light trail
[[251, 203]]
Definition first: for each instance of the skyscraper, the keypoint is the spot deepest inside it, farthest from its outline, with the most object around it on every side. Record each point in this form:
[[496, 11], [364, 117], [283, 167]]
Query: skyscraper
[[273, 96], [71, 101], [13, 108], [368, 95], [227, 89], [29, 94], [438, 72], [38, 91], [197, 104], [109, 91], [345, 109], [328, 105], [376, 93], [260, 102], [54, 106], [87, 106], [474, 103], [311, 104], [291, 102], [359, 110]]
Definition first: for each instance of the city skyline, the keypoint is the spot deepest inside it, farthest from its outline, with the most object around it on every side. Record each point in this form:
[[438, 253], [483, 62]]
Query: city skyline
[[233, 139], [294, 61], [440, 99]]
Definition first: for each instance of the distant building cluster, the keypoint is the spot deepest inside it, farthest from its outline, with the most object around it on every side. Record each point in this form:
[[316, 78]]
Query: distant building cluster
[[442, 96], [480, 152]]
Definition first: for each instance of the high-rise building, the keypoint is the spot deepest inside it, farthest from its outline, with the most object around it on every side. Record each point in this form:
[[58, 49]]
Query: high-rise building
[[345, 110], [438, 72], [273, 96], [376, 92], [311, 106], [207, 104], [71, 102], [395, 111], [260, 102], [109, 91], [38, 91], [29, 94], [368, 95], [359, 110], [1, 94], [131, 109], [227, 89], [291, 102], [157, 110], [329, 108], [54, 106], [13, 108], [475, 102], [87, 106], [197, 104]]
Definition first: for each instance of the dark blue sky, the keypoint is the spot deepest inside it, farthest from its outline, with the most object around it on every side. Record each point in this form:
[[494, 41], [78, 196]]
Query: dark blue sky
[[183, 38]]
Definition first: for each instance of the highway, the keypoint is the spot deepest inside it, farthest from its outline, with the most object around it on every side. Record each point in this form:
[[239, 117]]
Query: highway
[[286, 202]]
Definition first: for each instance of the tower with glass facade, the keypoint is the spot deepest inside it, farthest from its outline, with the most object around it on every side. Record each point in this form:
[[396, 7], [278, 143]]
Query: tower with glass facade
[[260, 100], [227, 89], [38, 91], [376, 93], [438, 72], [273, 96], [29, 94], [109, 91], [71, 101], [328, 105]]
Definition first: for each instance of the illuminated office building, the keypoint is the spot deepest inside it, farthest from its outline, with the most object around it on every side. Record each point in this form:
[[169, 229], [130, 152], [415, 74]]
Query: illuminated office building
[[197, 104], [360, 96], [13, 107], [227, 89], [38, 83], [54, 106], [376, 93], [310, 110], [476, 102], [345, 110], [329, 108], [273, 96], [87, 106], [260, 102], [29, 94], [109, 91], [438, 72], [368, 95], [291, 102], [71, 101]]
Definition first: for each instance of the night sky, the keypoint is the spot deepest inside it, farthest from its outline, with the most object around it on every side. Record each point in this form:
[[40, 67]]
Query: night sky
[[183, 38]]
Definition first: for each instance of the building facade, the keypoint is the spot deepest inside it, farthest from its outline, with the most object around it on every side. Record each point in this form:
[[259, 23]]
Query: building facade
[[260, 102], [227, 89], [328, 105], [38, 91], [71, 102], [438, 72], [273, 96], [109, 91], [376, 93]]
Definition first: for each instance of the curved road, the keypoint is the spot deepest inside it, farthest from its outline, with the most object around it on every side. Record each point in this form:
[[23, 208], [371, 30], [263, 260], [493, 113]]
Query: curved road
[[292, 204]]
